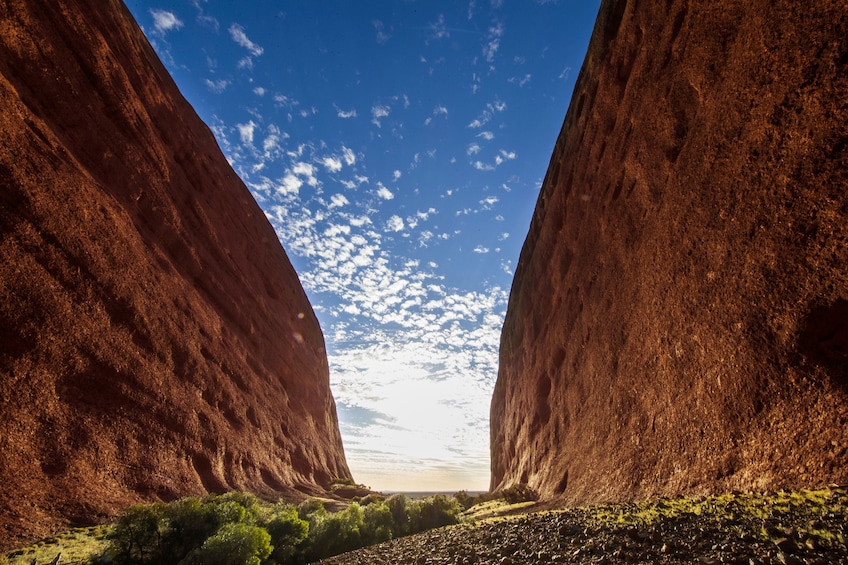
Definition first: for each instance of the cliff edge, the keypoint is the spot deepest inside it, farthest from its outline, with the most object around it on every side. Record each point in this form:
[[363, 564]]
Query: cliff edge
[[678, 322], [155, 340]]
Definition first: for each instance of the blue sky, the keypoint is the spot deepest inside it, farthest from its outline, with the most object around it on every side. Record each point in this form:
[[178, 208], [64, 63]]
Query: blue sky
[[397, 147]]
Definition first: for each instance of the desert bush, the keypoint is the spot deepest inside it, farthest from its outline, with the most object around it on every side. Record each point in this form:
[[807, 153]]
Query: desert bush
[[309, 508], [399, 506], [437, 511], [370, 499], [336, 533], [379, 526], [137, 535], [167, 533], [288, 533], [519, 493], [464, 499], [232, 529], [233, 544]]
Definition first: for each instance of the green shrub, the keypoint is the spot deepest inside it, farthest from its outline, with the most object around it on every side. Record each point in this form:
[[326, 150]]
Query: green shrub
[[288, 532], [464, 499], [336, 533], [311, 508], [379, 525], [519, 493], [161, 533], [370, 499], [400, 507], [137, 534], [437, 511], [233, 544]]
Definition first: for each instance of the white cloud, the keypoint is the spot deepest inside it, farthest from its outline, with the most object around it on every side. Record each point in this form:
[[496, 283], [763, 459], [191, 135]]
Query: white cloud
[[217, 86], [259, 91], [488, 202], [439, 28], [382, 35], [384, 192], [284, 101], [203, 19], [488, 113], [503, 236], [246, 132], [481, 249], [508, 154], [396, 175], [349, 157], [473, 149], [165, 21], [289, 185], [307, 170], [521, 81], [378, 112], [487, 135], [345, 114], [395, 223], [338, 200], [332, 164], [239, 36], [481, 166], [440, 111], [493, 42]]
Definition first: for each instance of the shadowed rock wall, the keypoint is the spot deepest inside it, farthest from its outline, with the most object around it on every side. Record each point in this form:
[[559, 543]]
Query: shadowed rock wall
[[154, 339], [678, 321]]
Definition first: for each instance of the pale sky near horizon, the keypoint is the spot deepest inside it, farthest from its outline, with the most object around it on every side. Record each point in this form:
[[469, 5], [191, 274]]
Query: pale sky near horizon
[[397, 147]]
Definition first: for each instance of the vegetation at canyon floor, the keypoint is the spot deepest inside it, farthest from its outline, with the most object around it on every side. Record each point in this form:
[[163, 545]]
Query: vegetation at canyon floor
[[799, 527]]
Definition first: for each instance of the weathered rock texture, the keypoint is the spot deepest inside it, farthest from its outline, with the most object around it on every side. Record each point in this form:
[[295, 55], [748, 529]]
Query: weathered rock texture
[[154, 339], [679, 316]]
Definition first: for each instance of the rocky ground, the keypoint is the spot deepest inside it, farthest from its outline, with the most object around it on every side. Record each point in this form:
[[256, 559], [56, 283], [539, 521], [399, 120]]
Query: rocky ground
[[807, 527]]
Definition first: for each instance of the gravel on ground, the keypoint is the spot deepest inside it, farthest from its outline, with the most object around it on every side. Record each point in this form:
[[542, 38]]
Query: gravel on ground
[[784, 528]]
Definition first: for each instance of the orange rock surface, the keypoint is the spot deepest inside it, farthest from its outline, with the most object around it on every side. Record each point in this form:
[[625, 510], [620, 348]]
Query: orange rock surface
[[155, 340], [678, 321]]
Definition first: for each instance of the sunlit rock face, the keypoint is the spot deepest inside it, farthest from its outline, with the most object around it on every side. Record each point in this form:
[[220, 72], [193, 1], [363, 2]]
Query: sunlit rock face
[[154, 338], [678, 321]]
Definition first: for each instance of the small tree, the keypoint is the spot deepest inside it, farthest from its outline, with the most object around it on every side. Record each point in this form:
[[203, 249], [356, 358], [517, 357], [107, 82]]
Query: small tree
[[378, 523], [336, 533], [137, 536], [399, 506], [438, 511], [521, 492], [288, 532], [309, 508], [233, 544]]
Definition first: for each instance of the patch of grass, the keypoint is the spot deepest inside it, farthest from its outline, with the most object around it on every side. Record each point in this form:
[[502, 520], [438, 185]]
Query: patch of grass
[[77, 546], [805, 509], [493, 509]]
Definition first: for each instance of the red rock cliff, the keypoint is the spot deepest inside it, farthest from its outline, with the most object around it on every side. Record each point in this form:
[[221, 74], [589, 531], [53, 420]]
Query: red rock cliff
[[154, 339], [678, 321]]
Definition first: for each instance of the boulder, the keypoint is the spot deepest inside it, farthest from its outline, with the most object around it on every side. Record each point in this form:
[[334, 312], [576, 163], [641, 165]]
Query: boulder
[[155, 340], [678, 321]]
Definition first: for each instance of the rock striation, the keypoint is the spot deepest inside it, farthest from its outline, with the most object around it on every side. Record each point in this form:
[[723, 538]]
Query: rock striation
[[155, 340], [678, 322]]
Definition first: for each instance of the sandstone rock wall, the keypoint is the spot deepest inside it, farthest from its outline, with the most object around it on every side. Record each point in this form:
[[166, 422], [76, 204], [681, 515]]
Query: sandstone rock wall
[[155, 341], [678, 321]]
